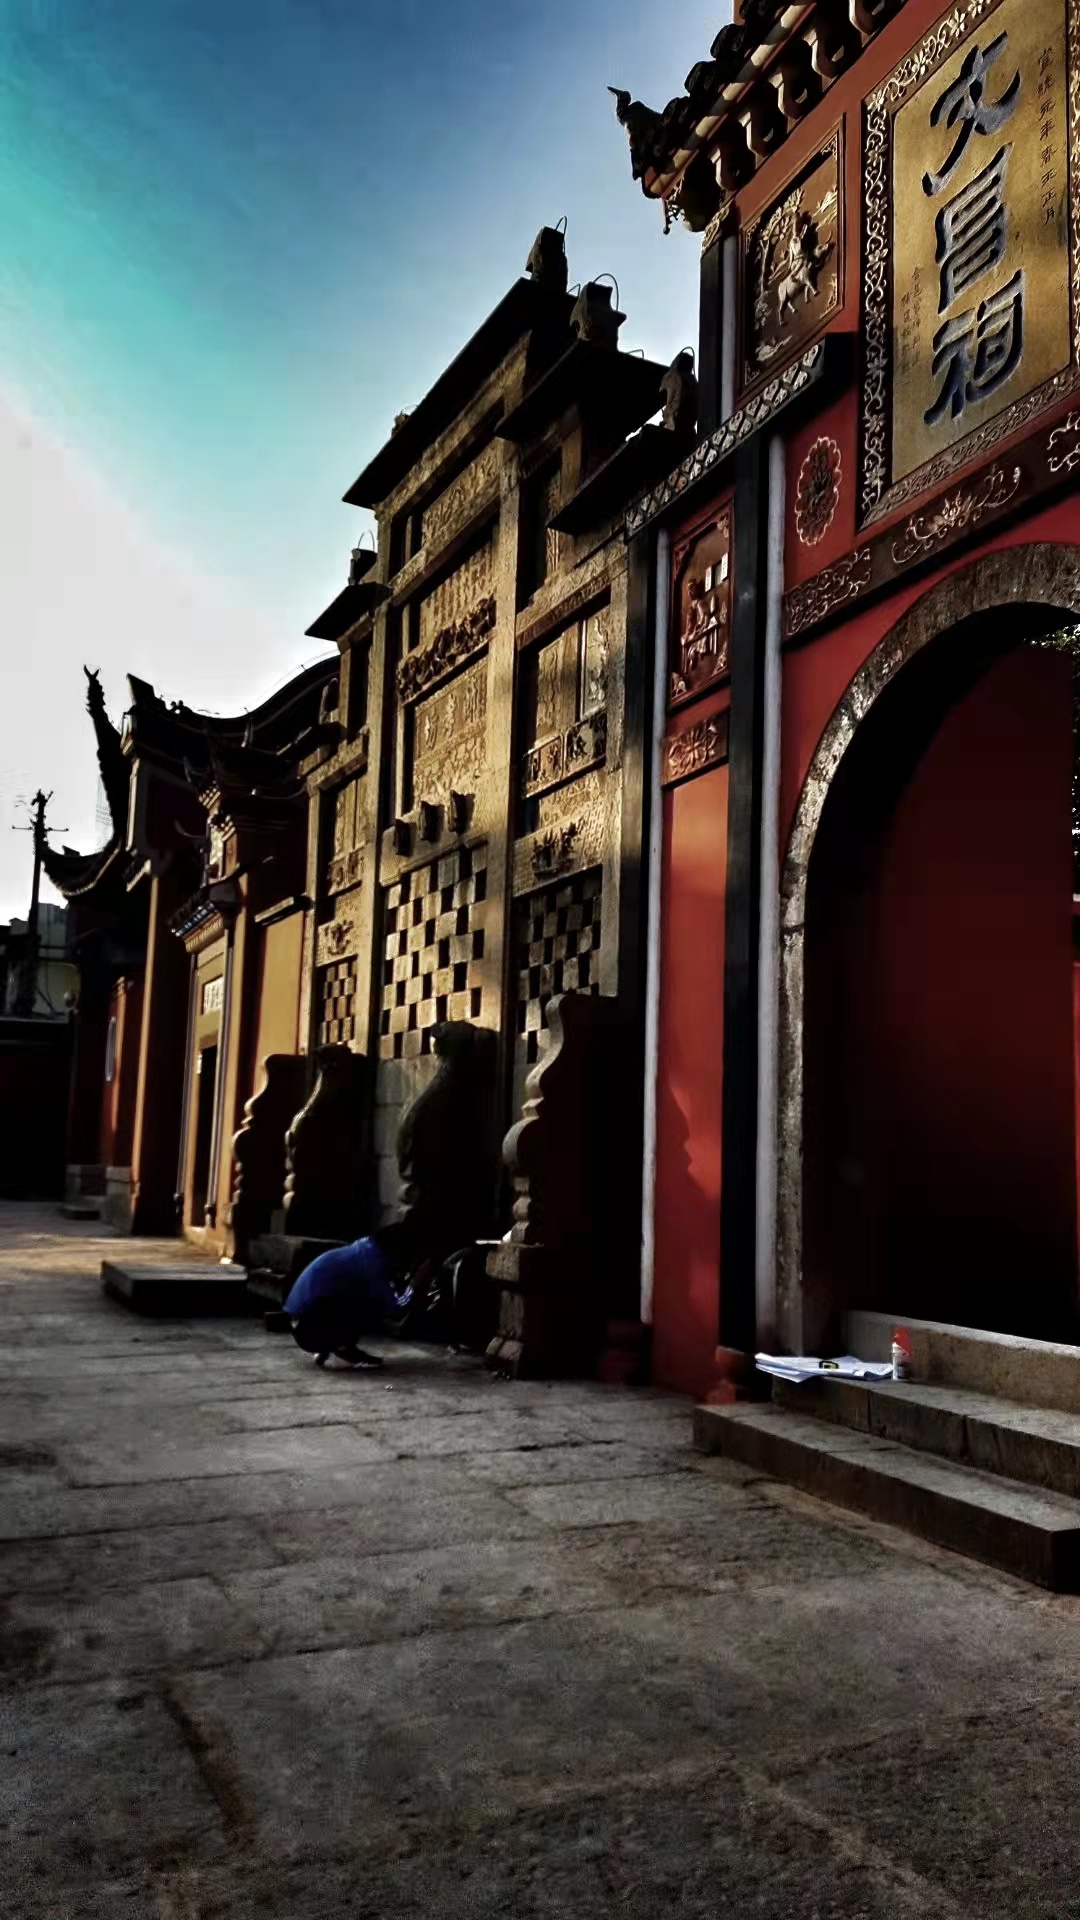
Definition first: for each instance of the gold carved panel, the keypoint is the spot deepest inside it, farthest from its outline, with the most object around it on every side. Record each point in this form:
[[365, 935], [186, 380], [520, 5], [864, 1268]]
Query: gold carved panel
[[450, 737], [792, 267], [972, 308], [701, 609]]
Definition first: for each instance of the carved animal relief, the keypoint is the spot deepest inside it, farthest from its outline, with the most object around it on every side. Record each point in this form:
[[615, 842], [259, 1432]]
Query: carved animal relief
[[791, 267]]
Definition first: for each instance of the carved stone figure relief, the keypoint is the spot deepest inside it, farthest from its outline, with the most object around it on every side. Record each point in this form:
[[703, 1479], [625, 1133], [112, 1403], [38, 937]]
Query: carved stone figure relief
[[449, 647], [450, 737], [568, 841], [453, 507], [564, 719], [701, 609], [345, 866], [791, 266], [453, 600]]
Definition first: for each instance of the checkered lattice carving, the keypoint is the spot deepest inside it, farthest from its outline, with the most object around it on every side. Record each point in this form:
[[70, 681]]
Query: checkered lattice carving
[[337, 1023], [433, 951], [557, 946]]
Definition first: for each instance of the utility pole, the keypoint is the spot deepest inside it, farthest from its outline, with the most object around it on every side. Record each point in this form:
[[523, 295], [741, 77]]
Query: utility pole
[[27, 990]]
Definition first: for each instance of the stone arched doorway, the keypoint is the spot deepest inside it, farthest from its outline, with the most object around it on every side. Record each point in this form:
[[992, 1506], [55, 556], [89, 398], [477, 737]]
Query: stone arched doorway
[[930, 662]]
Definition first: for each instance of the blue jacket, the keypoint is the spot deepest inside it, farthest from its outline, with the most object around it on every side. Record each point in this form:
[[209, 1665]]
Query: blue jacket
[[355, 1277]]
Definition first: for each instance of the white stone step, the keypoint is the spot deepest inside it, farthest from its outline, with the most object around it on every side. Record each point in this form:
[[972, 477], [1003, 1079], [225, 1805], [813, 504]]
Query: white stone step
[[1037, 1445], [1037, 1373], [1033, 1534]]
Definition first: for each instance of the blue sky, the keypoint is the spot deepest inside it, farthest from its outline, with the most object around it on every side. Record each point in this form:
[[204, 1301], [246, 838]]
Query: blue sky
[[238, 237]]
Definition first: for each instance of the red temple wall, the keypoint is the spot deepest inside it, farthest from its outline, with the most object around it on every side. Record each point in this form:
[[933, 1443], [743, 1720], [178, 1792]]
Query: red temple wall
[[689, 1082], [118, 1095], [940, 1173]]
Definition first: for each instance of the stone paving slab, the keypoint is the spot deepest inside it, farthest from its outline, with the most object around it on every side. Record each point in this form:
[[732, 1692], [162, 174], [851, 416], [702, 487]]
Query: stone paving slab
[[324, 1647], [81, 1566]]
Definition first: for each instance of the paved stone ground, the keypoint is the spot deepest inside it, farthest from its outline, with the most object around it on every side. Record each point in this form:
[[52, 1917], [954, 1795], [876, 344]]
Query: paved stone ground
[[276, 1643]]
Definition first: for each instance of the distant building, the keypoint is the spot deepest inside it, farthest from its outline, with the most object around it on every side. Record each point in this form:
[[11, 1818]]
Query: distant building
[[55, 975]]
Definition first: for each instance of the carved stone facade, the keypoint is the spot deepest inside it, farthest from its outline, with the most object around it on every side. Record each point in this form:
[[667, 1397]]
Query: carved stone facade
[[467, 848]]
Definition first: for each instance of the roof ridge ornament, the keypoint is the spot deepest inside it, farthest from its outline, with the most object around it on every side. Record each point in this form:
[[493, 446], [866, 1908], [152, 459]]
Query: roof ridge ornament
[[546, 265]]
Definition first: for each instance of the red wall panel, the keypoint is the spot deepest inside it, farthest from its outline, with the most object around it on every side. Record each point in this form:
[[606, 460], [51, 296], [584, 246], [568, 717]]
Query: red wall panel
[[689, 1084]]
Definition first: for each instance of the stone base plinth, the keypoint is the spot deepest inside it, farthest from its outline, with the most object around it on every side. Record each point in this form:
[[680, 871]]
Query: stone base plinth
[[549, 1327], [117, 1205], [278, 1259], [175, 1290]]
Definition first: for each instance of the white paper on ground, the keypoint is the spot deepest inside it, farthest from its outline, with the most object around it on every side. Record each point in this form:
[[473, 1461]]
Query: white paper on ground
[[799, 1367]]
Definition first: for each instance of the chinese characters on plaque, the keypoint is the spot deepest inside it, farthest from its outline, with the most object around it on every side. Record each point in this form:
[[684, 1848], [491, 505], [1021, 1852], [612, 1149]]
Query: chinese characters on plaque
[[969, 322]]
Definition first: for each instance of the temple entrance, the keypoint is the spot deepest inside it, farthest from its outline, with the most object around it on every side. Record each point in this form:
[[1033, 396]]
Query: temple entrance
[[932, 989]]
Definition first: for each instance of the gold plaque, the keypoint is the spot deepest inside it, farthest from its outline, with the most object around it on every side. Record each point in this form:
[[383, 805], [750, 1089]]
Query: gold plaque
[[970, 308]]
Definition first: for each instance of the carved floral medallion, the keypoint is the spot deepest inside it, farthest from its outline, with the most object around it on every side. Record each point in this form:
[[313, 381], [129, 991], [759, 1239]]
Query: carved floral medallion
[[817, 491], [703, 745]]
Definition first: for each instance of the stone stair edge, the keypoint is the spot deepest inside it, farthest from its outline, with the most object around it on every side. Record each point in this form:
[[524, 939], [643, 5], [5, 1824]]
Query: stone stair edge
[[1022, 1530]]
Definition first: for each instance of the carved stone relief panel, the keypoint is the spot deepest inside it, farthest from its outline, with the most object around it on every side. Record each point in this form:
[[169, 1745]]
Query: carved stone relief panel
[[578, 829], [792, 267], [701, 609], [433, 952], [454, 599], [341, 935], [564, 718], [449, 743], [345, 866], [453, 507]]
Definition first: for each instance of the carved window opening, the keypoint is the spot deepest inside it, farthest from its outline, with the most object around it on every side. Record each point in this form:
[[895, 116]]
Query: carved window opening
[[433, 951], [563, 705], [557, 936], [539, 549]]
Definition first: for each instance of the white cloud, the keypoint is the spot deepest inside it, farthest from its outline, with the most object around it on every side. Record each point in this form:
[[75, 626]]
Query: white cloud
[[82, 581]]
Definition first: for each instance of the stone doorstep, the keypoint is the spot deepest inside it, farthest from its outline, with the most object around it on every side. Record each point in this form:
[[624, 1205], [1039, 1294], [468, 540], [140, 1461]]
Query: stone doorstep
[[176, 1290], [1034, 1535], [1038, 1446], [1037, 1373]]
